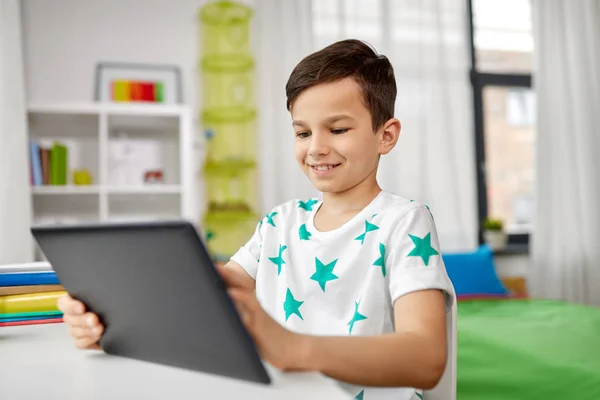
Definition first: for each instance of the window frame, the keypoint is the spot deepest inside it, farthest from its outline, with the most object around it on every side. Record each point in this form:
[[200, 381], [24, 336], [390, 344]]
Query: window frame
[[517, 243]]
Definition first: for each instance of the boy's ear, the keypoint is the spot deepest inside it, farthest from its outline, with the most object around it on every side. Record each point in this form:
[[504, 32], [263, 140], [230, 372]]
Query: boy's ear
[[390, 132]]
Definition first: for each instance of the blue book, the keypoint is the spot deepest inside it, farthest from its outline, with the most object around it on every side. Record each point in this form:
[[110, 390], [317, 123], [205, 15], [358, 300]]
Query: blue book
[[29, 278], [36, 163]]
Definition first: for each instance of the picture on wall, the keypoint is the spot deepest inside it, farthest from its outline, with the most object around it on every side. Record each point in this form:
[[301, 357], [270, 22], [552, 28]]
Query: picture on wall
[[138, 83]]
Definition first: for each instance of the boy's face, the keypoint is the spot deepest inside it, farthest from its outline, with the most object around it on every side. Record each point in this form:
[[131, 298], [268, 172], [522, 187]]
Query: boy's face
[[335, 144]]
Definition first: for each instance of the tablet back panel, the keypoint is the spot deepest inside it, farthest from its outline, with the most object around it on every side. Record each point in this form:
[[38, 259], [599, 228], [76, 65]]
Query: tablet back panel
[[155, 288]]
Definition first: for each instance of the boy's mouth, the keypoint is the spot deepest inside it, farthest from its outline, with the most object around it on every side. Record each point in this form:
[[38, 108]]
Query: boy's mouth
[[323, 168]]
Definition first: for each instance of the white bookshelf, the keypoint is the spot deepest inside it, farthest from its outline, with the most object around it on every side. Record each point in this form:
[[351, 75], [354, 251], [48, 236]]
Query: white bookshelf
[[152, 136]]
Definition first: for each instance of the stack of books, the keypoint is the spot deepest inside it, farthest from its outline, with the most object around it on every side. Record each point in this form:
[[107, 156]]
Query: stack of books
[[29, 294], [48, 163]]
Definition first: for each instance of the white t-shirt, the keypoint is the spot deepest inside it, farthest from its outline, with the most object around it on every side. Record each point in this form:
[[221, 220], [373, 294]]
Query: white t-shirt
[[345, 281]]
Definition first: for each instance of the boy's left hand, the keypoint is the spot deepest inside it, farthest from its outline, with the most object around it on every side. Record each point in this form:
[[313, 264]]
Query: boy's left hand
[[277, 345]]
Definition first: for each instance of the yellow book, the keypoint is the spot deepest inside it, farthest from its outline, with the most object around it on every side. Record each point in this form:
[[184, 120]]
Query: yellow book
[[18, 303]]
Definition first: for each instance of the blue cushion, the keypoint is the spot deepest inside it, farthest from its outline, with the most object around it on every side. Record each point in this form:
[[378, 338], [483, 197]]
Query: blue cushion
[[474, 273]]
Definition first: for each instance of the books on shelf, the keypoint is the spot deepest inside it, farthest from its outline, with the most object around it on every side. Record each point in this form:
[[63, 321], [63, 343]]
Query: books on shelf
[[48, 163], [29, 295]]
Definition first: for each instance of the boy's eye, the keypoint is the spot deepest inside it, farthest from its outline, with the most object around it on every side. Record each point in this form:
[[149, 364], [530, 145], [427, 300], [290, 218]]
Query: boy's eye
[[302, 134], [339, 131]]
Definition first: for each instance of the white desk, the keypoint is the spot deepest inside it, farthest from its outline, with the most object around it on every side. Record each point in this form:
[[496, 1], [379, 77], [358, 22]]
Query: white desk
[[41, 362]]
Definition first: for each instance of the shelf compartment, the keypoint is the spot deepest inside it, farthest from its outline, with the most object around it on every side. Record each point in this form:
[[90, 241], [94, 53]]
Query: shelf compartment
[[143, 206], [51, 125], [63, 208]]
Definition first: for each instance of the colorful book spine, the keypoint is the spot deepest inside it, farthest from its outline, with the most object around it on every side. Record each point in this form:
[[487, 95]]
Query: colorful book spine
[[59, 166], [36, 163], [11, 290], [30, 302], [32, 322], [48, 163], [31, 315], [36, 266], [28, 279], [38, 318]]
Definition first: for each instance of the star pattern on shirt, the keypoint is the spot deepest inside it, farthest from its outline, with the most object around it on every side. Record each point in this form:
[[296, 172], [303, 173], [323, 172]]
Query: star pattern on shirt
[[270, 217], [291, 305], [324, 272], [369, 227], [429, 209], [360, 396], [380, 262], [307, 205], [279, 261], [422, 248], [356, 317], [303, 233]]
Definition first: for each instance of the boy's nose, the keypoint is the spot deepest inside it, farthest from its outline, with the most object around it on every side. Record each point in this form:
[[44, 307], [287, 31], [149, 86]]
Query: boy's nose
[[318, 145]]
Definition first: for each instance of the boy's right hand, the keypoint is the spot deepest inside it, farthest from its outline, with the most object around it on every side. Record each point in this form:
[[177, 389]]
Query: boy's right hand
[[85, 327]]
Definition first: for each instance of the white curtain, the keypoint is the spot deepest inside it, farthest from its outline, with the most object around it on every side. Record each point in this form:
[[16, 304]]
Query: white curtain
[[565, 251], [283, 38], [15, 203], [427, 43]]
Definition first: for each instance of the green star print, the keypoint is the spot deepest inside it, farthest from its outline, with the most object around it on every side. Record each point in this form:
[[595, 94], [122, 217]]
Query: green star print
[[270, 218], [304, 233], [380, 262], [369, 227], [279, 261], [356, 317], [308, 205], [422, 248], [360, 396], [291, 305], [429, 209], [324, 273]]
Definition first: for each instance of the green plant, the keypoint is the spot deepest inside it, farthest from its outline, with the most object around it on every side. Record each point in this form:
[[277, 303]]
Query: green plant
[[493, 224]]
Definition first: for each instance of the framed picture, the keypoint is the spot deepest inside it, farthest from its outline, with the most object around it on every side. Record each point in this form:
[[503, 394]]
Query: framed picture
[[135, 83]]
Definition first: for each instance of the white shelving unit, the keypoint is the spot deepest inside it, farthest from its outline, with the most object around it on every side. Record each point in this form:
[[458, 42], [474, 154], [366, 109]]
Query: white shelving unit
[[117, 143]]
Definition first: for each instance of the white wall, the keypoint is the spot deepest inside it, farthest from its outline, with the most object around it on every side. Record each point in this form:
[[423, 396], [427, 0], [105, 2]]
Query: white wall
[[64, 39], [15, 204]]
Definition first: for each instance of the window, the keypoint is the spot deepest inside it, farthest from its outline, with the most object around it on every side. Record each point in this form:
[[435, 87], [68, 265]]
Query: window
[[501, 64], [508, 126], [502, 35]]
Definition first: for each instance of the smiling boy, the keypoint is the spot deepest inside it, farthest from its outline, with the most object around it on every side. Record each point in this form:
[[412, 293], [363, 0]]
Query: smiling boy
[[353, 285]]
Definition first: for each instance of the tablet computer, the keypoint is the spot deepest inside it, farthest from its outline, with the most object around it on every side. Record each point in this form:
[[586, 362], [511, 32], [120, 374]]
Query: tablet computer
[[156, 290]]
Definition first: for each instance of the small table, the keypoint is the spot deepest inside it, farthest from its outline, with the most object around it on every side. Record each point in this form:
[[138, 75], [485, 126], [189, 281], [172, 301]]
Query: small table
[[41, 362]]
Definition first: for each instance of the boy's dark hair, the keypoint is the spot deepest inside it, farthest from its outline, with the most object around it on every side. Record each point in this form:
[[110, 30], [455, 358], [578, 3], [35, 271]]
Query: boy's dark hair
[[349, 58]]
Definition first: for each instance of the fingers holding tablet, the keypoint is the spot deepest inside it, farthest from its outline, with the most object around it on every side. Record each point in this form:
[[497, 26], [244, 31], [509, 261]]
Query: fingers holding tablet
[[84, 327]]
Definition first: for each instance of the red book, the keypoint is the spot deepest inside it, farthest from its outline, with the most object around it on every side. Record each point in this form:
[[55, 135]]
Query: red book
[[33, 322]]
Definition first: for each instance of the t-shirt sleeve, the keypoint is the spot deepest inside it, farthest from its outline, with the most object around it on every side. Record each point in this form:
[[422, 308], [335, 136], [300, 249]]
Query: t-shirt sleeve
[[414, 259], [248, 255]]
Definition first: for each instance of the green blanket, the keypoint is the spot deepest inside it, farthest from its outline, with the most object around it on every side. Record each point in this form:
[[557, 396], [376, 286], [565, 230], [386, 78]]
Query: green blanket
[[528, 350]]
